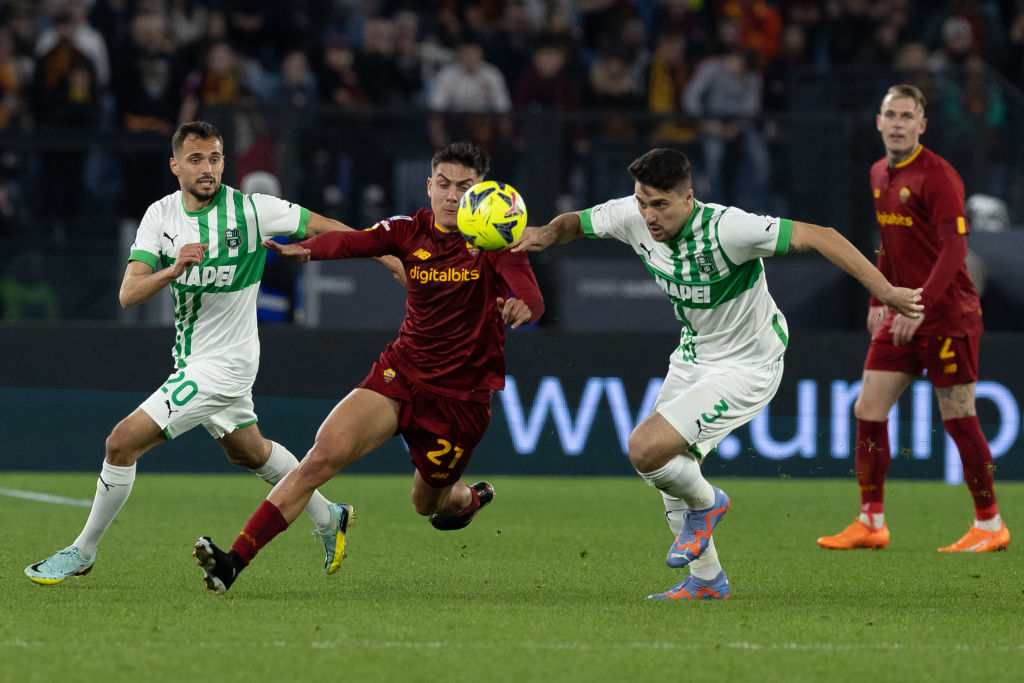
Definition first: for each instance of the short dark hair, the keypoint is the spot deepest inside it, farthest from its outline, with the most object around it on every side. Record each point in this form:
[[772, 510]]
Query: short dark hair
[[201, 129], [465, 154], [907, 90], [663, 169]]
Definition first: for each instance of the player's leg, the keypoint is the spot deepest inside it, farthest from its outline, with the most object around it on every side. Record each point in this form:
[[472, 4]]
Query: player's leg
[[359, 423], [953, 370], [441, 433], [880, 389], [707, 580], [133, 436]]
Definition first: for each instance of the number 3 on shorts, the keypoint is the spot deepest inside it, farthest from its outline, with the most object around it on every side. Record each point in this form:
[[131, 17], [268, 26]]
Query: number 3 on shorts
[[182, 393], [445, 449]]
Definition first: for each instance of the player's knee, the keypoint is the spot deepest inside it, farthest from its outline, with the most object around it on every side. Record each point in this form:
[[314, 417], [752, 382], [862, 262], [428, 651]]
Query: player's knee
[[319, 465], [642, 456], [245, 458], [862, 410], [119, 450]]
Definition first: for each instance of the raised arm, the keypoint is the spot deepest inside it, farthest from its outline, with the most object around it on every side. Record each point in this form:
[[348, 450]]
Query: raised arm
[[320, 224], [562, 229], [141, 283], [839, 251]]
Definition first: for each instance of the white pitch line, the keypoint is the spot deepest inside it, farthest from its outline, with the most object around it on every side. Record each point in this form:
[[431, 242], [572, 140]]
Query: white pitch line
[[45, 497]]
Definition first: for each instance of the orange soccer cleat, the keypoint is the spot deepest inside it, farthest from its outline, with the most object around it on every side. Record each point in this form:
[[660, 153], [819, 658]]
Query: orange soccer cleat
[[857, 535], [980, 541]]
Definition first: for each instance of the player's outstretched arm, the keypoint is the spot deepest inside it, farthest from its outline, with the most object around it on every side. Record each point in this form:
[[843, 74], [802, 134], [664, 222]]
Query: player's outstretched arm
[[839, 251], [141, 283], [564, 228], [319, 224], [295, 252]]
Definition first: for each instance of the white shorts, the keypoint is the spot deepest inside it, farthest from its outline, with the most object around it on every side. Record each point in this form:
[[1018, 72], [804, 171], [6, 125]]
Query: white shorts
[[704, 403], [198, 395]]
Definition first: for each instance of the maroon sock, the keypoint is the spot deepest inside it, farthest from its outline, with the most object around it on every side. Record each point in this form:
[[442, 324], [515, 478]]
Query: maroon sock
[[261, 528], [872, 463], [977, 461], [474, 504]]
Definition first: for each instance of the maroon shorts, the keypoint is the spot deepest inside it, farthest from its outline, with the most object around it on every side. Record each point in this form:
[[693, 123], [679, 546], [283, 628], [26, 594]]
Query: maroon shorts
[[441, 432], [948, 360]]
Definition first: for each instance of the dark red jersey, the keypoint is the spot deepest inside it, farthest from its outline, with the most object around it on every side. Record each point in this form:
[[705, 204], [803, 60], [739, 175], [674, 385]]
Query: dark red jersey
[[919, 206], [452, 338]]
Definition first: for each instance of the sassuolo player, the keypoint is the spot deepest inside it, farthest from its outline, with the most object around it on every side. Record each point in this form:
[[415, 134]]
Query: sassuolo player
[[728, 365], [204, 241]]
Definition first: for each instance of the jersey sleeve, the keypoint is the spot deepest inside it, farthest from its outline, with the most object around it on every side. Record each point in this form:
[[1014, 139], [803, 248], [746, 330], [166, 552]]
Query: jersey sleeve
[[944, 194], [146, 248], [383, 237], [517, 273], [747, 236], [279, 218], [609, 219]]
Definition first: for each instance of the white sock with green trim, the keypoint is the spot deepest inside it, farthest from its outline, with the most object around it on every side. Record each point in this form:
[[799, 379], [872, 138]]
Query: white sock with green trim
[[278, 465], [113, 487]]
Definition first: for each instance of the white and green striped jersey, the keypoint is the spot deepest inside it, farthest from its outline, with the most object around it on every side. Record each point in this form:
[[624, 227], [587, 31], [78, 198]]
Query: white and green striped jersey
[[215, 301], [713, 275]]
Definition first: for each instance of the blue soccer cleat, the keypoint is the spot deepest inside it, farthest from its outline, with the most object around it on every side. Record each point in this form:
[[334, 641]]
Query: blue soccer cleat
[[693, 539], [59, 566], [333, 538], [693, 588]]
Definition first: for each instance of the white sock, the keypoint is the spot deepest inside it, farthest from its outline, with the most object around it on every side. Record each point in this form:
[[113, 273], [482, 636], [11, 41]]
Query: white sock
[[994, 524], [278, 465], [113, 487], [681, 478], [707, 565], [675, 512], [874, 519]]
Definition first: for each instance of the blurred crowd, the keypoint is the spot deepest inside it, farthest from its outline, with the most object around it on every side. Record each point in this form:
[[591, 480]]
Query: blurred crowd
[[146, 65]]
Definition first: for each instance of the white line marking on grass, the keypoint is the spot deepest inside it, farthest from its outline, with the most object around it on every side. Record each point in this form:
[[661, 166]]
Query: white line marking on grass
[[740, 645], [45, 497]]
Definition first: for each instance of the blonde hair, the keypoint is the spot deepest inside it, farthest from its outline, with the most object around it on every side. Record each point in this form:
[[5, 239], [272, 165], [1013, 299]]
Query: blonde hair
[[907, 90]]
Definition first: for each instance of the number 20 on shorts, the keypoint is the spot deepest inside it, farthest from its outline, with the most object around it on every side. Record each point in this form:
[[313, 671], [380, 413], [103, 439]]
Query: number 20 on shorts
[[182, 393]]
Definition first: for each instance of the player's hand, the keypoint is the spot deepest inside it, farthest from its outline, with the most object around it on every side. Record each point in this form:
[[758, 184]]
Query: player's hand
[[905, 301], [876, 316], [514, 312], [903, 328], [190, 255], [295, 252], [534, 239], [394, 264]]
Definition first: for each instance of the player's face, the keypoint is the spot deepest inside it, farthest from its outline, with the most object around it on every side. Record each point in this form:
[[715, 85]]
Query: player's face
[[445, 188], [901, 123], [664, 211], [199, 166]]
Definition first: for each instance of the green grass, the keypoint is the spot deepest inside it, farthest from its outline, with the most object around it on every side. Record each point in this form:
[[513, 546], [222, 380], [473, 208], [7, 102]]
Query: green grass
[[548, 584]]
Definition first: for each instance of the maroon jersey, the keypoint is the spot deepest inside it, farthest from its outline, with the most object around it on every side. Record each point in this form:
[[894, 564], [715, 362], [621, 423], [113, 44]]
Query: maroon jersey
[[452, 338], [919, 206]]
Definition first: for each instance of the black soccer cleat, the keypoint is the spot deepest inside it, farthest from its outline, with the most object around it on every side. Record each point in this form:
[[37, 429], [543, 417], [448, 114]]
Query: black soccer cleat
[[219, 568], [484, 491]]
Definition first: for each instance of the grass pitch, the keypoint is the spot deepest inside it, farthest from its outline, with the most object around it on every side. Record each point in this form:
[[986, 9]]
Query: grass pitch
[[547, 584]]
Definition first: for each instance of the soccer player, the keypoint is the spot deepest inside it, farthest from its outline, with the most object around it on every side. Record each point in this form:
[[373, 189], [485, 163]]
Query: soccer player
[[919, 205], [205, 242], [728, 365], [432, 385]]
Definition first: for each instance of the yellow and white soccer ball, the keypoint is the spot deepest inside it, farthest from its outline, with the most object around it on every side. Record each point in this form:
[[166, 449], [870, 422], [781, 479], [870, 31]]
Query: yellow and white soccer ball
[[492, 215]]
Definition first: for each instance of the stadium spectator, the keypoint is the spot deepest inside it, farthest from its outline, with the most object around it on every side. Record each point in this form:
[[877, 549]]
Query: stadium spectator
[[14, 74], [148, 84], [729, 362], [383, 82], [760, 25], [465, 98], [65, 95], [71, 23], [913, 186], [336, 78], [667, 76], [216, 349], [726, 94], [613, 90], [432, 385]]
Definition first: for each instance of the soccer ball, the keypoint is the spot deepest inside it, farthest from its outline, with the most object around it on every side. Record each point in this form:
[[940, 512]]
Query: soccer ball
[[492, 215]]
